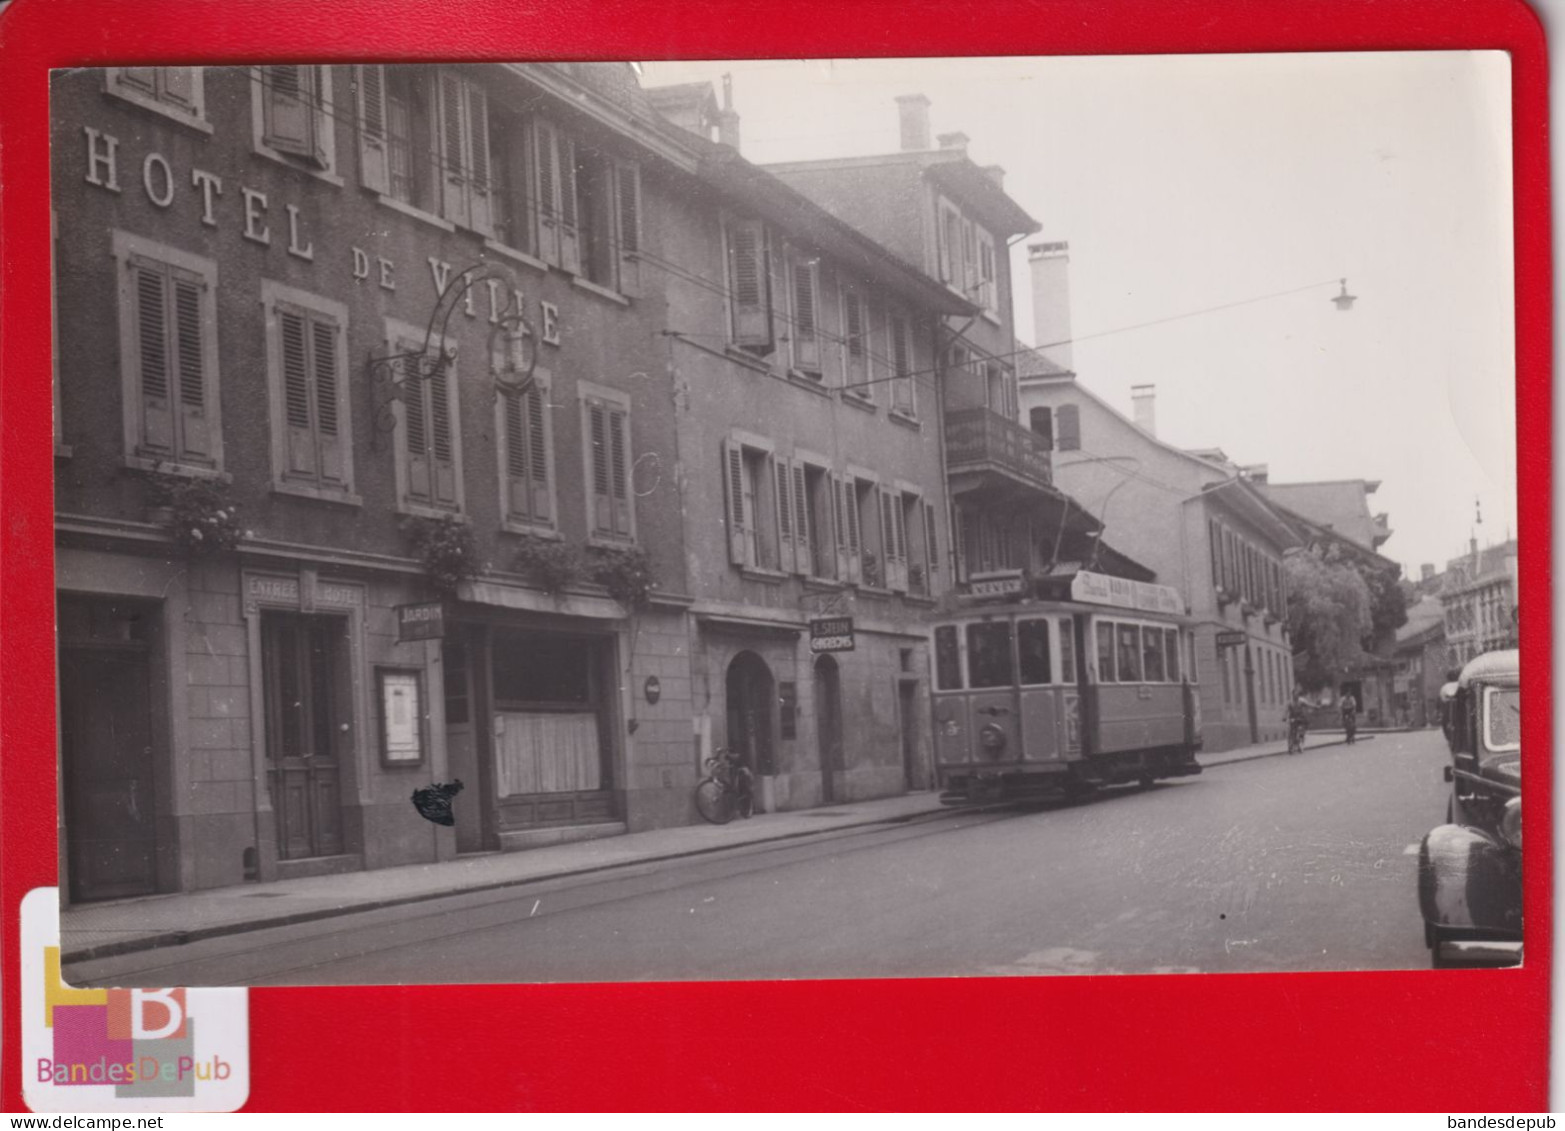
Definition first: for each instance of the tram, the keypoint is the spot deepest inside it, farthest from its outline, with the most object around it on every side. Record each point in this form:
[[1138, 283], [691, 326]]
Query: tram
[[1089, 682]]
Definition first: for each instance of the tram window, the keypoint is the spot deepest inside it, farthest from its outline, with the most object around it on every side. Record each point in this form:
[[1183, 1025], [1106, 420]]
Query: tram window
[[1152, 654], [1105, 652], [948, 659], [1129, 653], [989, 655], [1067, 651], [1171, 649], [1032, 648]]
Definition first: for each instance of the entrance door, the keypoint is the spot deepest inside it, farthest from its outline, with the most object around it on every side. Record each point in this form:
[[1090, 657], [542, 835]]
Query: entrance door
[[1249, 694], [907, 716], [468, 807], [828, 724], [106, 740], [750, 696], [299, 665]]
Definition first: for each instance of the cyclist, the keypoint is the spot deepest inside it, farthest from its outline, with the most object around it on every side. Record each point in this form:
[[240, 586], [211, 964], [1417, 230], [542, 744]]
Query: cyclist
[[1298, 722]]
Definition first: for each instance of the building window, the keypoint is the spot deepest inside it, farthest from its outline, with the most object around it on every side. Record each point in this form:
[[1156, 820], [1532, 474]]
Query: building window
[[893, 539], [428, 432], [804, 292], [869, 518], [1067, 425], [175, 92], [815, 490], [855, 346], [526, 457], [554, 170], [609, 197], [751, 505], [424, 140], [412, 158], [914, 527], [845, 508], [292, 115], [988, 285], [511, 185], [306, 340], [1041, 421], [903, 397], [606, 446], [168, 357], [749, 286], [949, 244], [1001, 390]]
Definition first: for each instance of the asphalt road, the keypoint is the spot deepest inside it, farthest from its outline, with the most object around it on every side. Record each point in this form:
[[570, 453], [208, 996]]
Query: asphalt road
[[1302, 862]]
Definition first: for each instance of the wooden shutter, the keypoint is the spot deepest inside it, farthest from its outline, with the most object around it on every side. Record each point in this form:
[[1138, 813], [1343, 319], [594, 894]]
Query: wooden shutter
[[619, 470], [598, 455], [839, 528], [1216, 549], [854, 334], [153, 364], [323, 351], [178, 86], [735, 511], [301, 454], [374, 159], [546, 168], [288, 111], [748, 288], [805, 333], [627, 200], [454, 200], [969, 277], [442, 442], [803, 553], [480, 198], [931, 543], [415, 433], [785, 515], [894, 539], [903, 385], [850, 527], [1067, 421], [195, 434], [570, 235], [538, 454]]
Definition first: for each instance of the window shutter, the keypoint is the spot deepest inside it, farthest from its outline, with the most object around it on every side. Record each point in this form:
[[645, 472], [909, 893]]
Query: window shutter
[[855, 364], [453, 152], [570, 237], [518, 499], [850, 527], [152, 361], [619, 470], [296, 394], [931, 543], [803, 554], [538, 453], [442, 443], [839, 529], [747, 284], [733, 486], [195, 440], [785, 515], [323, 336], [903, 385], [627, 185], [547, 170], [806, 341], [178, 86], [415, 430], [1216, 549], [143, 79], [374, 162], [287, 110], [598, 451], [969, 277], [480, 201], [1067, 420], [896, 573], [775, 265]]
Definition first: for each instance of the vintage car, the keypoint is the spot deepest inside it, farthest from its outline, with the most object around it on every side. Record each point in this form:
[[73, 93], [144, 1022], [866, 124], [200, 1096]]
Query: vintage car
[[1470, 869]]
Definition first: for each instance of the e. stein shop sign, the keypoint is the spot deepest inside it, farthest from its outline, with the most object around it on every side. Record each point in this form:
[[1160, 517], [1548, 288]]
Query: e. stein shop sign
[[831, 634]]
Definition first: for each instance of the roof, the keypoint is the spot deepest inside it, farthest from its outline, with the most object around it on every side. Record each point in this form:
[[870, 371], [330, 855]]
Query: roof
[[1242, 495], [1031, 364], [1422, 615], [1492, 667], [1339, 505]]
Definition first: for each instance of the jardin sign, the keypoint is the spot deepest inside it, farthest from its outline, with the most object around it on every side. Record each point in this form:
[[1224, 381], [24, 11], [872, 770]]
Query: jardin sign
[[426, 621]]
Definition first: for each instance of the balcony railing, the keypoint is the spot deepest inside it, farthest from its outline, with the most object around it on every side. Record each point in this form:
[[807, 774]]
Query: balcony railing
[[980, 440]]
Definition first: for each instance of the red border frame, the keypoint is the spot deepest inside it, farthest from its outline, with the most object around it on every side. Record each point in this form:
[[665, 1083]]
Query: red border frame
[[1416, 1041]]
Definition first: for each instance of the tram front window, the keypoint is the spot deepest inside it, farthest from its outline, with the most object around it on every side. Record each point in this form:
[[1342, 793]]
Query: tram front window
[[1032, 648], [948, 659], [989, 655], [1129, 639]]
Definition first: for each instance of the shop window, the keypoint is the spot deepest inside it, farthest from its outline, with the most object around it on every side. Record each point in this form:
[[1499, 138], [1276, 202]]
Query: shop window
[[606, 444], [175, 92], [168, 357], [291, 115], [526, 459], [306, 340], [428, 432]]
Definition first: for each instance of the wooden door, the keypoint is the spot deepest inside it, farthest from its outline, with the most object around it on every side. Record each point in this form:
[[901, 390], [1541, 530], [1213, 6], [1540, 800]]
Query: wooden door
[[106, 740], [299, 675], [828, 724]]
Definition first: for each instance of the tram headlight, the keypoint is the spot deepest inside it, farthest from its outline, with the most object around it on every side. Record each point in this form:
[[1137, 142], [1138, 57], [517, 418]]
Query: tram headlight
[[991, 736]]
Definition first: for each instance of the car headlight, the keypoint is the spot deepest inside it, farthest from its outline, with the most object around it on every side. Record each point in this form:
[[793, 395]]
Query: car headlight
[[1511, 823]]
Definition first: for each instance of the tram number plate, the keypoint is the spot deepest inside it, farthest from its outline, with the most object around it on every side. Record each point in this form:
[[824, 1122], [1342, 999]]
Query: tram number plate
[[831, 634]]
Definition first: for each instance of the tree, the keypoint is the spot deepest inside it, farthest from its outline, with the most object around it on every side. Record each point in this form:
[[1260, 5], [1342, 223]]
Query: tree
[[1328, 615], [1387, 604]]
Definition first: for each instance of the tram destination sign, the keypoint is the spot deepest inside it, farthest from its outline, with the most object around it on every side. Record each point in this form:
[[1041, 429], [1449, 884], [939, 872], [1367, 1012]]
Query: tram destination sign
[[831, 634], [1101, 589], [425, 621]]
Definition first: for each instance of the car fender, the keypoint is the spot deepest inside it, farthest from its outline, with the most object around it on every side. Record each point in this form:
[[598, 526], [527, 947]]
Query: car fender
[[1469, 880]]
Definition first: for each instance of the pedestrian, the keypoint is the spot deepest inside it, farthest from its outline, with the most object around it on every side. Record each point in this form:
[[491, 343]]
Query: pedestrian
[[1350, 708], [1298, 721]]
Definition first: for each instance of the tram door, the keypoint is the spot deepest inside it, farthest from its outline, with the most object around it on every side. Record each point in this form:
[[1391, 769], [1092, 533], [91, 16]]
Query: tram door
[[991, 677], [1038, 672]]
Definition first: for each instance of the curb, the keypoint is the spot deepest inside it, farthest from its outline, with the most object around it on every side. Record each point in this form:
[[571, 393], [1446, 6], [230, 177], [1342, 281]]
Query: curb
[[220, 930], [1283, 752]]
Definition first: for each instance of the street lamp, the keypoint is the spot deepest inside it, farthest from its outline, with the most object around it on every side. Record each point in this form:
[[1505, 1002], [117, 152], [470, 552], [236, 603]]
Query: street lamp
[[1342, 300]]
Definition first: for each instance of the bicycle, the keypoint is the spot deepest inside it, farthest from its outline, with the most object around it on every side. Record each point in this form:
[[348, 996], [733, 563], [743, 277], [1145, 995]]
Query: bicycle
[[728, 788], [1296, 728]]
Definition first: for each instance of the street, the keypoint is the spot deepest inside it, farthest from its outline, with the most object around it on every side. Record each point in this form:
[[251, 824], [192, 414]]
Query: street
[[1278, 864]]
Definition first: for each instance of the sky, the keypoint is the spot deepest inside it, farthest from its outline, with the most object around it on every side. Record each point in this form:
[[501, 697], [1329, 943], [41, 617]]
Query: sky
[[1184, 183]]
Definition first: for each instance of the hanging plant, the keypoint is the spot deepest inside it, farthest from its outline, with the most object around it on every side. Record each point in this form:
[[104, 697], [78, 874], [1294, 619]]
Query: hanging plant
[[446, 549], [550, 564], [871, 570], [198, 513], [626, 574]]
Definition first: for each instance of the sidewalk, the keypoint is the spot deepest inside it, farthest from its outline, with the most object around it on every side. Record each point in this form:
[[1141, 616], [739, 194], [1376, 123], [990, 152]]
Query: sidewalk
[[1314, 740], [100, 930]]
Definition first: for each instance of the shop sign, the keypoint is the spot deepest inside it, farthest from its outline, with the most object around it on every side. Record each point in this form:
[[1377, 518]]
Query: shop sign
[[1007, 584], [425, 621], [1231, 639], [831, 634]]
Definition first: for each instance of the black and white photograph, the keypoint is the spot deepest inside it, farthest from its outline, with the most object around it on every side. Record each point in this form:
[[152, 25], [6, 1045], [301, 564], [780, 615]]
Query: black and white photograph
[[580, 522]]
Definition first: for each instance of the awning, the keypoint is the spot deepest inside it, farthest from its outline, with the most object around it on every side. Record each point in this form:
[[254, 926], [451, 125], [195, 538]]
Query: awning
[[532, 601]]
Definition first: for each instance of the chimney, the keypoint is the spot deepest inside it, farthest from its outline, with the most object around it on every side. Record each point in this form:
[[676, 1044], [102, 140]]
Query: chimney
[[727, 117], [955, 140], [1426, 571], [1255, 473], [1143, 400], [1051, 301], [996, 174], [914, 112]]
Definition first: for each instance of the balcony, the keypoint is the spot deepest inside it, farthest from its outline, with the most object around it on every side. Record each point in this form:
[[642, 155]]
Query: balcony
[[984, 450]]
